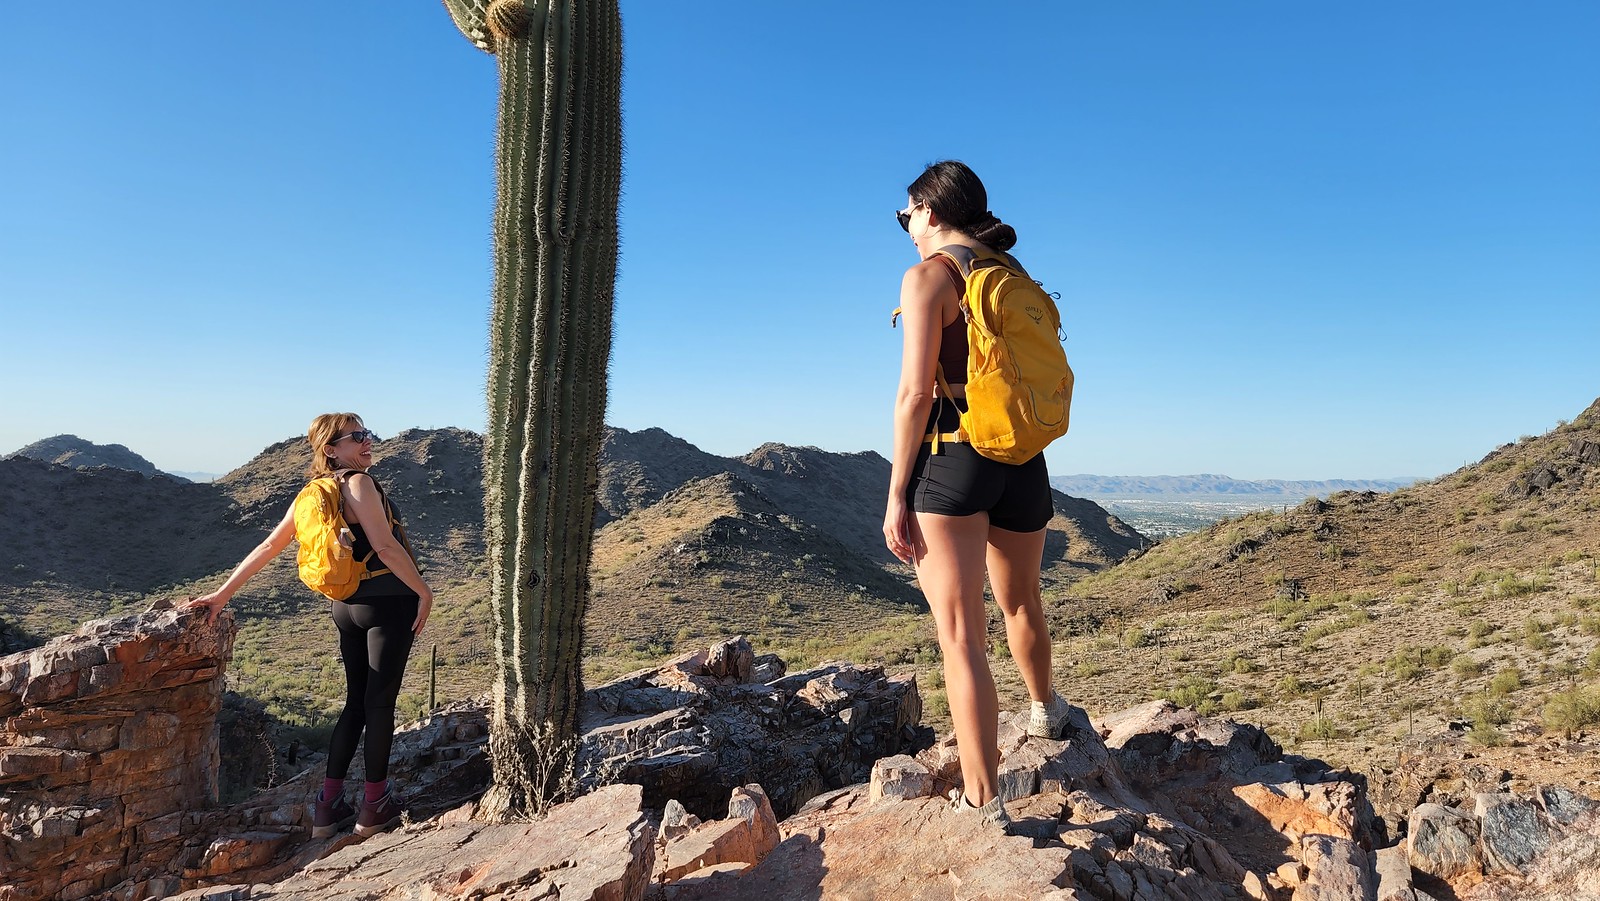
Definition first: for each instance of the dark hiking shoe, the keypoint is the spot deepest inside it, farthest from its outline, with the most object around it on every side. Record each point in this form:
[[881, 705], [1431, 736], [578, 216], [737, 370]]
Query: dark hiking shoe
[[378, 815], [331, 816]]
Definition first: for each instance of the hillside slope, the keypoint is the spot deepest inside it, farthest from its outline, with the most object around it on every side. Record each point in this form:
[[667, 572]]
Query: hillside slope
[[1352, 621]]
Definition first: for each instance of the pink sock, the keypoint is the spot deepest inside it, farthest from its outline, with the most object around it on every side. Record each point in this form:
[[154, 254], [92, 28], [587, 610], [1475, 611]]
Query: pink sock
[[332, 788], [375, 790]]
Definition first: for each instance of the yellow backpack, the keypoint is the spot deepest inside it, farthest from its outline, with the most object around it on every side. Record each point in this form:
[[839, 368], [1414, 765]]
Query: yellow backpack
[[1019, 386], [327, 546]]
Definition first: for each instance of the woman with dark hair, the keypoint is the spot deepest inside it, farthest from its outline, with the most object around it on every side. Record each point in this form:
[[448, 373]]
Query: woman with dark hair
[[955, 514], [376, 624]]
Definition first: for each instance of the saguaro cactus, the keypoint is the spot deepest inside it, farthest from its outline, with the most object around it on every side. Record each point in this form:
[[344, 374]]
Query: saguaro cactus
[[558, 166]]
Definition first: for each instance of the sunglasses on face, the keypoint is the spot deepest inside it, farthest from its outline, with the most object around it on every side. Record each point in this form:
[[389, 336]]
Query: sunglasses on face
[[361, 435], [904, 217]]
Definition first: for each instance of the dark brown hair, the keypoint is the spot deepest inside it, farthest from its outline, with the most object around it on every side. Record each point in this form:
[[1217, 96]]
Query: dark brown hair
[[954, 191]]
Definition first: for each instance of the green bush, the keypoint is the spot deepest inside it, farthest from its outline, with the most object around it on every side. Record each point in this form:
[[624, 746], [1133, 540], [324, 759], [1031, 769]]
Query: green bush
[[1404, 579], [1466, 667], [1191, 692], [1437, 655], [1569, 711], [1291, 685], [1238, 700], [1488, 708], [1318, 727], [1485, 735], [1136, 637], [1509, 586], [1506, 681]]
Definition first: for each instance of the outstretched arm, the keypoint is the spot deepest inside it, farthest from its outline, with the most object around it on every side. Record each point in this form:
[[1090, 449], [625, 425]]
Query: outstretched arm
[[272, 546]]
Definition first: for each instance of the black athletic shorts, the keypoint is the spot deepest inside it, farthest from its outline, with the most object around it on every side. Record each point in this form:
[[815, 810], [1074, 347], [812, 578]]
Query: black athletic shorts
[[958, 481]]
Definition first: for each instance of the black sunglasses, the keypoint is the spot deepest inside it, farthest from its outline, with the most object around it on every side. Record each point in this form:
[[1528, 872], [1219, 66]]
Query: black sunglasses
[[904, 217], [359, 434]]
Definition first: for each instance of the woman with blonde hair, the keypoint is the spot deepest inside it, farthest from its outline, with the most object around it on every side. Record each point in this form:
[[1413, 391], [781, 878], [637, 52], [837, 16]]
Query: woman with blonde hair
[[956, 514], [376, 625]]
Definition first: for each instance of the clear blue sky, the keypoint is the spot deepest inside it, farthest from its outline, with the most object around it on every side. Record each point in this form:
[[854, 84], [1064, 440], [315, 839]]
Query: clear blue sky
[[1292, 240]]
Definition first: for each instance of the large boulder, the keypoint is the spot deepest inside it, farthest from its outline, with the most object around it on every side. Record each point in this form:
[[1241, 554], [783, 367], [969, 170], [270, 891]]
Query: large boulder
[[1443, 842]]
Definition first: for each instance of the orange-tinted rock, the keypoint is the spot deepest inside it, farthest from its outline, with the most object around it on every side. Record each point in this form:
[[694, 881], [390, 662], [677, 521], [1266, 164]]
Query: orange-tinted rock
[[109, 738]]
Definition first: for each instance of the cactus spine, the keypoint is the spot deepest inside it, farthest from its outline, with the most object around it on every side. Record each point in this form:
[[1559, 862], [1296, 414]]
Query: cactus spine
[[558, 165]]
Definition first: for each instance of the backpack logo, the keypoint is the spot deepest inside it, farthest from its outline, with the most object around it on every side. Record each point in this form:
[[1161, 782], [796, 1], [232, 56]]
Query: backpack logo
[[1034, 313]]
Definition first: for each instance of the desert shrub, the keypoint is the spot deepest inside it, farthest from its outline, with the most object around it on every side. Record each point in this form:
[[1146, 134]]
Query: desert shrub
[[1291, 685], [1506, 681], [1238, 700], [1509, 586], [1466, 667], [1193, 691], [1136, 637], [1437, 655], [1488, 708], [1087, 669], [1485, 735], [1404, 579], [937, 704], [1451, 588], [1569, 711], [1318, 728], [1514, 525], [1463, 548], [1403, 665], [1320, 632]]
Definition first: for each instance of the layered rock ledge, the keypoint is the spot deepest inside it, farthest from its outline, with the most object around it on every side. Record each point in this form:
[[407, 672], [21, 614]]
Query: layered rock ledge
[[108, 740]]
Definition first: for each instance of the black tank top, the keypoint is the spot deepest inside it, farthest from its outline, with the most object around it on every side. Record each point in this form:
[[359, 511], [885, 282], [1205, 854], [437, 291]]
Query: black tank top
[[388, 584]]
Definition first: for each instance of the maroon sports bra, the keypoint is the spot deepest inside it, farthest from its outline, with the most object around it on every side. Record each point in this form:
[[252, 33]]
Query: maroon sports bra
[[953, 337]]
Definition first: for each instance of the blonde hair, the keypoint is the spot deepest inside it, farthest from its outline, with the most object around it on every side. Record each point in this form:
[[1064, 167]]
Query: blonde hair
[[323, 430]]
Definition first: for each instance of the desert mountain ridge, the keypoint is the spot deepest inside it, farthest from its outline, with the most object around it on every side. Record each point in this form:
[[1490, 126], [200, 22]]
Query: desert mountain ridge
[[78, 453], [688, 544]]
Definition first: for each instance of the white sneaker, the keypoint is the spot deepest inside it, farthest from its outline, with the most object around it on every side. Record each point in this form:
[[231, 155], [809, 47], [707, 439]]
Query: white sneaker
[[1049, 720], [994, 811]]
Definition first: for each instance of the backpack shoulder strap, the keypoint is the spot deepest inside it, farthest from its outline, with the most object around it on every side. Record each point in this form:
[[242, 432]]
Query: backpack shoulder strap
[[960, 254]]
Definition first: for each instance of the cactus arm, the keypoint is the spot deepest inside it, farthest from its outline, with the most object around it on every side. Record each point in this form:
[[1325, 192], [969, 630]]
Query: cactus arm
[[471, 16]]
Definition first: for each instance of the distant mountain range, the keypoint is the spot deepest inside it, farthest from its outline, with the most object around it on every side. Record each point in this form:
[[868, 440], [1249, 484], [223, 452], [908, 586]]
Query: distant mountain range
[[1206, 484], [783, 536]]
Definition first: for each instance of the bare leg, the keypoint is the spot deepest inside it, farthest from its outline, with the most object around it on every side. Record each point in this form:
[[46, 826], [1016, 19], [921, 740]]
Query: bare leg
[[950, 571], [1014, 559]]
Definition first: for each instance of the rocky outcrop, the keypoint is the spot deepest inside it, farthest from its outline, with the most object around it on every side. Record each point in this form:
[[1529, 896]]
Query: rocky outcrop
[[684, 728], [107, 742], [597, 848], [708, 722], [1111, 812]]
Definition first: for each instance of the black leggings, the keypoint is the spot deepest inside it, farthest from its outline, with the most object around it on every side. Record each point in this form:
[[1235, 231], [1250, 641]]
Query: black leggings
[[374, 641]]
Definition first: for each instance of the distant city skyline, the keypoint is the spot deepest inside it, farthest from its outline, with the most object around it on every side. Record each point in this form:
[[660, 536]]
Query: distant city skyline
[[1291, 242]]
